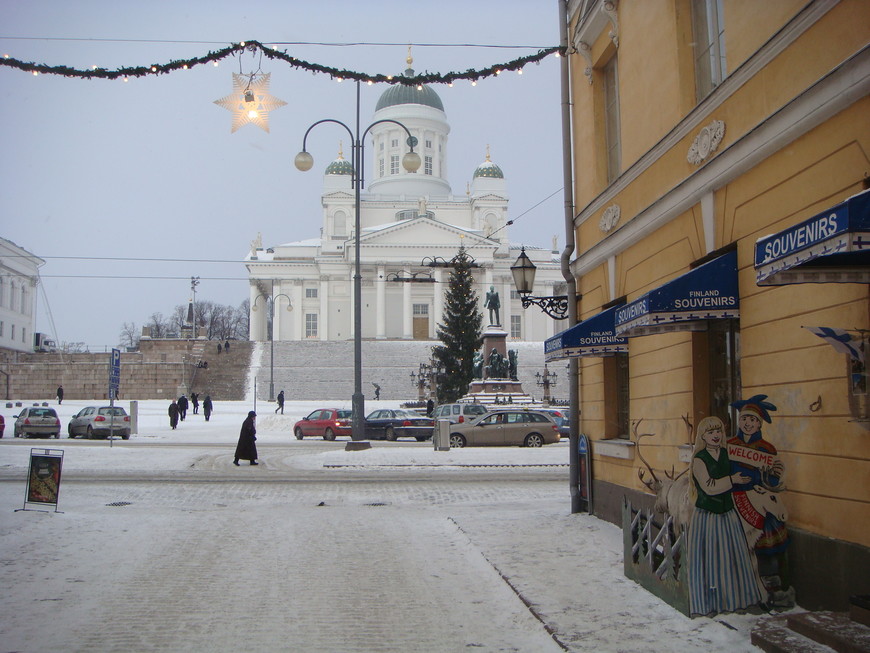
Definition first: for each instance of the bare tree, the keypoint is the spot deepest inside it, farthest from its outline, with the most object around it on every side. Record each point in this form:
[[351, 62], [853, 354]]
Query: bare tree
[[129, 336], [158, 325]]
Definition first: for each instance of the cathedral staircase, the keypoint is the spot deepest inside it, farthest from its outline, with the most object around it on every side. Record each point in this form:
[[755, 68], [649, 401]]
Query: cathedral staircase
[[227, 373], [317, 370]]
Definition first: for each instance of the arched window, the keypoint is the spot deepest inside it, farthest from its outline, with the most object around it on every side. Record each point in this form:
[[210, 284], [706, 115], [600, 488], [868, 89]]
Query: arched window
[[339, 223]]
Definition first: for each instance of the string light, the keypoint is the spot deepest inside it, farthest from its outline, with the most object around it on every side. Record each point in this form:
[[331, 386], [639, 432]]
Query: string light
[[215, 56]]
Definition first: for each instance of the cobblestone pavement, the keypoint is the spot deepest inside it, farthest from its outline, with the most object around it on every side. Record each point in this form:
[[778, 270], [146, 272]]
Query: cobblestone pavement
[[238, 566]]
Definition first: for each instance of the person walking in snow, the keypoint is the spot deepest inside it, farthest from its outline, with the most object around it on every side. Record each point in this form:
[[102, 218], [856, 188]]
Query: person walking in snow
[[246, 449], [219, 347], [207, 407], [173, 415], [227, 346], [182, 407], [280, 402], [194, 398], [59, 395]]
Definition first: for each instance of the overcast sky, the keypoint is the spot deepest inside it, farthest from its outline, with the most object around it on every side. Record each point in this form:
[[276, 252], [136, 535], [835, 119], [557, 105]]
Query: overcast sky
[[148, 169]]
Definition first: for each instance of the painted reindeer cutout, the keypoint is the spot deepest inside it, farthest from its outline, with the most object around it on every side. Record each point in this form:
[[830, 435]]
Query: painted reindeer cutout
[[672, 493]]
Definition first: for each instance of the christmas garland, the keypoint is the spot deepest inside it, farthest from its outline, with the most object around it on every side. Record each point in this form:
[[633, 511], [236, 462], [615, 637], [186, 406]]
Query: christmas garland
[[254, 46]]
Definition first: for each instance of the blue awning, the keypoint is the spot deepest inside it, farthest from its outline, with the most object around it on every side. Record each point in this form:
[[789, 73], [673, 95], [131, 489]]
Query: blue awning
[[709, 292], [831, 247], [593, 337]]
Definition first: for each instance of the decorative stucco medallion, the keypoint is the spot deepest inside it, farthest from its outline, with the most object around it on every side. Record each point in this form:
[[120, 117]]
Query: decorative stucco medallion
[[609, 218], [706, 142]]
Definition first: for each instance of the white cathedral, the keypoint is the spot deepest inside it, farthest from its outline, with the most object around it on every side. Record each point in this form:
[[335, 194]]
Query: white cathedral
[[407, 221]]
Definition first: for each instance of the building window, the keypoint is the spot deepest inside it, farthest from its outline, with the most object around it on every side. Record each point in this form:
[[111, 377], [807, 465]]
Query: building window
[[380, 167], [382, 146], [311, 293], [12, 332], [611, 119], [24, 310], [428, 144], [716, 368], [394, 164], [616, 397], [394, 142], [517, 327], [339, 224], [1, 329], [311, 325], [428, 165], [421, 310], [708, 26], [23, 334]]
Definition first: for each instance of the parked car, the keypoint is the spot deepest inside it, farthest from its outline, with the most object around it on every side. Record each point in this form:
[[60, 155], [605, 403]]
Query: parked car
[[560, 416], [458, 413], [506, 427], [390, 424], [100, 421], [326, 423], [37, 421]]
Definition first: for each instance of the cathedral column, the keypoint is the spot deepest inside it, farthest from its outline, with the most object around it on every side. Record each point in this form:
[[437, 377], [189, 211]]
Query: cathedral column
[[407, 308], [323, 320], [298, 312], [438, 298], [258, 317], [381, 304]]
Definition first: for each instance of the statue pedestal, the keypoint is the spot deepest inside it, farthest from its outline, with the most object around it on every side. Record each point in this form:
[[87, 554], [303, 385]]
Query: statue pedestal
[[494, 337]]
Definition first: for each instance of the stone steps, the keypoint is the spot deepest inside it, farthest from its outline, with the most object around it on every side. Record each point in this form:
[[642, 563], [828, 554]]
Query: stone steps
[[816, 632]]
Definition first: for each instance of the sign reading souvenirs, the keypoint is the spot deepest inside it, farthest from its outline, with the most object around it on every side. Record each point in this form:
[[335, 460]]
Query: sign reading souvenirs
[[43, 479], [708, 292], [593, 337], [833, 246]]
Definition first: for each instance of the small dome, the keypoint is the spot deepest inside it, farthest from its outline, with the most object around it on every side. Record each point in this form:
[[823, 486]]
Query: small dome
[[409, 94], [488, 169], [340, 166]]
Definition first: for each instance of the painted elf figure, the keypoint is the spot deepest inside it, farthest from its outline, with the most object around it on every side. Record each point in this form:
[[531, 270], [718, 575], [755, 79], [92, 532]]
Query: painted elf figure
[[756, 458]]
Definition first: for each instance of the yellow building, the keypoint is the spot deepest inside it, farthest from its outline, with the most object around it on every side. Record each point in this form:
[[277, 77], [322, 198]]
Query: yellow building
[[700, 127]]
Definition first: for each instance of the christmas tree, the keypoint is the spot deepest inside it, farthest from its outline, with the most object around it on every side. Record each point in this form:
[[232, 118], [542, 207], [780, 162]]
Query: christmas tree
[[460, 334]]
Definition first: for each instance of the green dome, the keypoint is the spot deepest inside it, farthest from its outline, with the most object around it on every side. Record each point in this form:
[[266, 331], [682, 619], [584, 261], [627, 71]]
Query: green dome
[[488, 169], [405, 94], [340, 166]]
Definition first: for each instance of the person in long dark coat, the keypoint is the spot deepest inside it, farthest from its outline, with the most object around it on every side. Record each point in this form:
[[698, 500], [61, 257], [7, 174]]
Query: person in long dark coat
[[280, 402], [227, 346], [246, 449], [207, 407], [173, 415], [194, 398], [182, 407], [59, 395]]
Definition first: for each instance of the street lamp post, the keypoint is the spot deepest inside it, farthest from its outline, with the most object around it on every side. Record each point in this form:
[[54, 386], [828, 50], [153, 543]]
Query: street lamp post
[[270, 303], [411, 162], [546, 381]]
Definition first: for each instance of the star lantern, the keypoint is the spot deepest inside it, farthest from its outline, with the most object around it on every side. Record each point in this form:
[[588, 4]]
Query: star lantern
[[250, 101]]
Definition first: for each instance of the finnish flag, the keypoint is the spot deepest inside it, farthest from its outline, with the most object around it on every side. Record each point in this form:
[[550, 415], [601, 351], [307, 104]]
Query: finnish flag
[[841, 340]]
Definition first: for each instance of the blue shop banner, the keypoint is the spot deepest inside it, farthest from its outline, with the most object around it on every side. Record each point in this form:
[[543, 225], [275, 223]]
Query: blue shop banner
[[831, 247], [593, 337], [709, 292]]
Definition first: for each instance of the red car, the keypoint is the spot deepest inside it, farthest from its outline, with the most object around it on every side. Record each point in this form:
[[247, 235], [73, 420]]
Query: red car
[[326, 423]]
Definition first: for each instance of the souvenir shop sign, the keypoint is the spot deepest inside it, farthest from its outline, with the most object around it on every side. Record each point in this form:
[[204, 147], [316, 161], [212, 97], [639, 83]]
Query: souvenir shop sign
[[831, 247], [593, 337], [709, 292]]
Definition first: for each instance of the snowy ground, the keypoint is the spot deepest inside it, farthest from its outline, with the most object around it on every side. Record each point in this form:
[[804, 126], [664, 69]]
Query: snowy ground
[[325, 555]]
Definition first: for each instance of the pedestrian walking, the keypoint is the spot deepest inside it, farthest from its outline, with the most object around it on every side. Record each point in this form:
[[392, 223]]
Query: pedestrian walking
[[430, 406], [207, 407], [173, 414], [194, 398], [59, 395], [246, 449], [280, 402], [377, 391], [219, 347], [182, 407], [227, 346]]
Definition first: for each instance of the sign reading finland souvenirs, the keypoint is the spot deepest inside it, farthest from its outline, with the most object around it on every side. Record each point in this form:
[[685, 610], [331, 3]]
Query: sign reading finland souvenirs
[[831, 247], [709, 292], [593, 337]]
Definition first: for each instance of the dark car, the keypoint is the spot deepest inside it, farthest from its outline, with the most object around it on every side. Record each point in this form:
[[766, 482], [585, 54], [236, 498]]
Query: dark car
[[560, 416], [507, 427], [390, 424], [39, 422], [325, 423], [100, 421]]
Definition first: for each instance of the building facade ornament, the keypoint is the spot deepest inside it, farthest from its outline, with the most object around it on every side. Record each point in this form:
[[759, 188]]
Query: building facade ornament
[[609, 218], [706, 142], [596, 17]]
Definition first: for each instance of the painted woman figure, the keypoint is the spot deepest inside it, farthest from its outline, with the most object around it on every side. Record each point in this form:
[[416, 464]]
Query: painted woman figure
[[721, 575]]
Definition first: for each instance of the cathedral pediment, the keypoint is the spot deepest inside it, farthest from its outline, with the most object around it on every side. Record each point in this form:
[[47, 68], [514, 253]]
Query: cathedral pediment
[[423, 231]]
